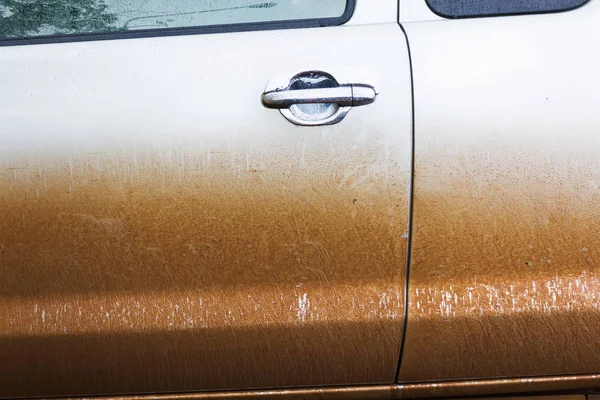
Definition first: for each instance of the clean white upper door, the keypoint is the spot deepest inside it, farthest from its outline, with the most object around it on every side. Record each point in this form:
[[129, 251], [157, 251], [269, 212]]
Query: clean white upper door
[[163, 231]]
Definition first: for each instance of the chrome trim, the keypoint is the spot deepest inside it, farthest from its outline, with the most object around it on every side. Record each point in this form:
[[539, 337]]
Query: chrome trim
[[506, 387], [344, 96], [279, 95]]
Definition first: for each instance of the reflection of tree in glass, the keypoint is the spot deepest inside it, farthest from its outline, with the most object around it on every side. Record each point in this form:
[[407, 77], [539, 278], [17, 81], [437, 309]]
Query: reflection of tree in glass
[[20, 18]]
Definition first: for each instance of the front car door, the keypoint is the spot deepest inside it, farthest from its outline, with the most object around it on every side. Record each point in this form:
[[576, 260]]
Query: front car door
[[161, 230]]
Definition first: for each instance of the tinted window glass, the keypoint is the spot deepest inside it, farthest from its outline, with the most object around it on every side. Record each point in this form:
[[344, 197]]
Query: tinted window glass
[[471, 8], [28, 18]]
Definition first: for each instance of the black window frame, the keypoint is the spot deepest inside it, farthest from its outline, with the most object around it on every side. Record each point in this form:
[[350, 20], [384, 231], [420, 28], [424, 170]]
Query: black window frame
[[186, 31], [507, 14]]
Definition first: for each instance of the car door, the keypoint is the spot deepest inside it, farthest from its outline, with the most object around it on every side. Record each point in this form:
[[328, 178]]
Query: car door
[[504, 267], [165, 228]]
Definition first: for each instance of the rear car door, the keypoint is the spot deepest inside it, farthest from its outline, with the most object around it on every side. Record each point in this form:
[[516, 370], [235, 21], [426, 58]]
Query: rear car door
[[504, 267], [162, 230]]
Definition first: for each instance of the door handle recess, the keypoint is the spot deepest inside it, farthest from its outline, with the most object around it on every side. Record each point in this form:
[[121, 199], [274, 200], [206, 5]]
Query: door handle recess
[[315, 98]]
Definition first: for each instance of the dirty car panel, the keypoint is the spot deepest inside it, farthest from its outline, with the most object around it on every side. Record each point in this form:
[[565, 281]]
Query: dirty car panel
[[504, 265], [161, 231]]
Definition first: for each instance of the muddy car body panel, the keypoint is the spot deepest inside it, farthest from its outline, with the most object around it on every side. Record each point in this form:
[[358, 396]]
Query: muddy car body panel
[[504, 264], [162, 231]]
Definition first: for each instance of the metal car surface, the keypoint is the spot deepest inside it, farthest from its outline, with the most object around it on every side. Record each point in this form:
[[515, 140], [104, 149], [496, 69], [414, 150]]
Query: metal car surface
[[166, 232], [162, 231], [503, 274]]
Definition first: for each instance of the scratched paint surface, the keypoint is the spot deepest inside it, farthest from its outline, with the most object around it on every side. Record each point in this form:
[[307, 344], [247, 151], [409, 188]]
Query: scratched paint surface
[[164, 268]]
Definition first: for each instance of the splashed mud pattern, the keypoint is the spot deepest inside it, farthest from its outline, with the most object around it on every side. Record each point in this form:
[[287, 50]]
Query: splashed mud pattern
[[158, 269], [504, 271]]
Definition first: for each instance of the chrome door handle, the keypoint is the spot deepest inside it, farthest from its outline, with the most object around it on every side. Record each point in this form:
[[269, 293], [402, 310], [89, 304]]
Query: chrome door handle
[[344, 96], [315, 98]]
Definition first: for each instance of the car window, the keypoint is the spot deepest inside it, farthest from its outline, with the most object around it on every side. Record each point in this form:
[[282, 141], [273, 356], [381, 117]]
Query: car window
[[32, 18], [474, 8]]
